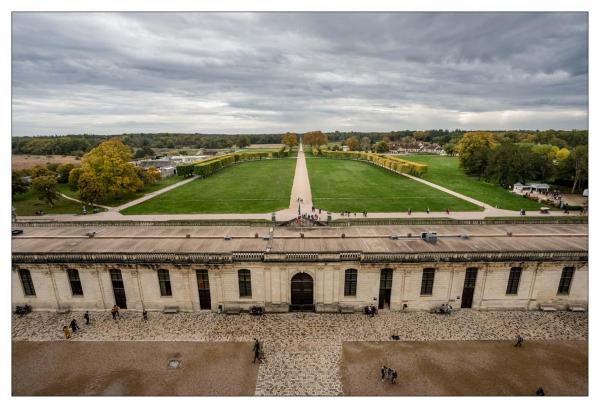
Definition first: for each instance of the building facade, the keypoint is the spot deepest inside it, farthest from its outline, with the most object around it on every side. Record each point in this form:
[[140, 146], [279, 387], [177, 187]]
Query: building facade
[[280, 279]]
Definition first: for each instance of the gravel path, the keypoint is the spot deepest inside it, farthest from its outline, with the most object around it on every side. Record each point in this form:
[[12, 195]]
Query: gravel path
[[303, 351]]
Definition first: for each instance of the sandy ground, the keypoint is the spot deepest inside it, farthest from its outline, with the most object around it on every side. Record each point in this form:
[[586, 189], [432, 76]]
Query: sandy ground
[[466, 368], [132, 368]]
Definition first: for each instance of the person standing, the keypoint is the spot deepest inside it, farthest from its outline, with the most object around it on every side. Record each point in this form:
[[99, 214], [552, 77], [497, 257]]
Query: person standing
[[115, 312], [66, 332], [383, 372], [74, 326], [86, 316], [145, 315]]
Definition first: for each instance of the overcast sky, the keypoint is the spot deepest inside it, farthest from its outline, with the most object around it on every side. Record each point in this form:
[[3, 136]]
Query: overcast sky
[[110, 73]]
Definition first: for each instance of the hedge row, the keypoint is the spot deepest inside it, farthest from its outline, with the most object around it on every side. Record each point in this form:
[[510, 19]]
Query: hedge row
[[207, 167], [389, 162]]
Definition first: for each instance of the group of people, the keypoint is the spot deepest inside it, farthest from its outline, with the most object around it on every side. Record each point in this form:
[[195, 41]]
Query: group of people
[[73, 327], [445, 308], [348, 213], [370, 310], [389, 374]]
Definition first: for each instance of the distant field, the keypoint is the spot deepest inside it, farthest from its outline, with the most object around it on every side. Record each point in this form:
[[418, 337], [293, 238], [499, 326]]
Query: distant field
[[25, 161], [254, 187], [346, 185], [446, 172]]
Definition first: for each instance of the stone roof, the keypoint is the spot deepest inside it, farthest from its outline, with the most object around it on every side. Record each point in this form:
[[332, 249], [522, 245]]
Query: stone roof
[[400, 241]]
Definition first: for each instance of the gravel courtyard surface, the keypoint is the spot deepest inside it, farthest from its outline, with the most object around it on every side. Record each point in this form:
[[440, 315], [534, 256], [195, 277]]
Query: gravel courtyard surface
[[132, 368], [303, 351], [467, 368]]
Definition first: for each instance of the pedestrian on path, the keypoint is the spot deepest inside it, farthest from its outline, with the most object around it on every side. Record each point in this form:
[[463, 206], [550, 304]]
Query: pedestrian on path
[[383, 372], [540, 392], [145, 315], [74, 326], [66, 332], [427, 210], [86, 316], [519, 340], [409, 211], [257, 350], [115, 312]]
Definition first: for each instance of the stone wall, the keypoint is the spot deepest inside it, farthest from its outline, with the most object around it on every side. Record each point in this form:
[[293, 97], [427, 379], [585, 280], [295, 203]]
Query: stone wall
[[271, 283]]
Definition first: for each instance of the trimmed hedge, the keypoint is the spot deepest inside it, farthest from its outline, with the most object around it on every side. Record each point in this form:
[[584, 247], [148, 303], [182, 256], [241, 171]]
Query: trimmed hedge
[[207, 167], [389, 162]]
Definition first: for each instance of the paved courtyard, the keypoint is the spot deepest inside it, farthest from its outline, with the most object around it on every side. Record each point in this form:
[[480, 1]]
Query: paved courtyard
[[303, 350]]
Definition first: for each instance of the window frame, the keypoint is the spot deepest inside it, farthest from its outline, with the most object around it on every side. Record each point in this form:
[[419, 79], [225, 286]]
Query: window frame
[[350, 282], [560, 291], [164, 283], [426, 282], [75, 279], [29, 283], [244, 283], [510, 284]]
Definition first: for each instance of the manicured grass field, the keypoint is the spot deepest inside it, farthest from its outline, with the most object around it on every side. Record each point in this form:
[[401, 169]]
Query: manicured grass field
[[115, 202], [253, 187], [347, 185], [446, 172]]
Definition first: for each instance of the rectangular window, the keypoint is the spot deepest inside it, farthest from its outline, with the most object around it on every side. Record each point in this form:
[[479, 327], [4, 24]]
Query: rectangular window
[[245, 283], [27, 282], [513, 281], [564, 286], [427, 282], [76, 288], [350, 282], [164, 282]]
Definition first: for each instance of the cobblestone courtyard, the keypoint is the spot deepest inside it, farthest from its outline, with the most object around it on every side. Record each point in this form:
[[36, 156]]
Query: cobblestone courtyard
[[303, 352]]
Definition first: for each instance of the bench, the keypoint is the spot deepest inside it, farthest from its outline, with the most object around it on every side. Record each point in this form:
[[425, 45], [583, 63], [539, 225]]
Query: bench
[[547, 308], [346, 309], [171, 309], [577, 308], [233, 310]]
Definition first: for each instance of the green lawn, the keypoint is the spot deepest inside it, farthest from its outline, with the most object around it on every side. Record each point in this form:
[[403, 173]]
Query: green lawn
[[347, 185], [27, 204], [252, 187], [446, 172], [114, 202]]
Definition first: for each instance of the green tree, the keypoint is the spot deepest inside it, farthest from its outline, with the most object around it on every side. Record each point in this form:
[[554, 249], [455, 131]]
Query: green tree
[[18, 185], [39, 170], [145, 151], [106, 172], [352, 143], [74, 178], [45, 189], [474, 149], [63, 172], [382, 147], [243, 141]]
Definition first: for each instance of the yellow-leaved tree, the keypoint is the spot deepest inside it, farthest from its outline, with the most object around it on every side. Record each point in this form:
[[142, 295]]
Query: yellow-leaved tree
[[289, 139], [106, 172]]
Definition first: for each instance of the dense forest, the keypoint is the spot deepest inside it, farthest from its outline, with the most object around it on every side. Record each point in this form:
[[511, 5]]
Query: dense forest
[[77, 145]]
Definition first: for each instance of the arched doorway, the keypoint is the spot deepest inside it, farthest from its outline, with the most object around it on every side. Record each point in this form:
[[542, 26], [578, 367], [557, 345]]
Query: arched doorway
[[302, 292]]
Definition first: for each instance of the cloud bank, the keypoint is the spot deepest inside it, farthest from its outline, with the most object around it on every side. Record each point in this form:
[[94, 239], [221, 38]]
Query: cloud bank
[[272, 72]]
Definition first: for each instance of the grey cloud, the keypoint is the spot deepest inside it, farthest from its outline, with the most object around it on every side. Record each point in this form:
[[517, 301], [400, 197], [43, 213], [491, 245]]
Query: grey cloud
[[272, 72]]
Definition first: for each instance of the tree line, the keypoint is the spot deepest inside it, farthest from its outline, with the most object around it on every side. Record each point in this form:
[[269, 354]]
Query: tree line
[[506, 160], [78, 145]]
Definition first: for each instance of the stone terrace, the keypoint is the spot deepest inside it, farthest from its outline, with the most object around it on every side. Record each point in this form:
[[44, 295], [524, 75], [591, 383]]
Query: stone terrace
[[303, 351]]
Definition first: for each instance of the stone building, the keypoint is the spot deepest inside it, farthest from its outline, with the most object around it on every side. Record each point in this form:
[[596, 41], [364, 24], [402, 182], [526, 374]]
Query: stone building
[[192, 268]]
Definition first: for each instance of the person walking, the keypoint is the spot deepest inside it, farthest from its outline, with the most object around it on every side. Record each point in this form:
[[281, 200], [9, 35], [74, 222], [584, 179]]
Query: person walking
[[383, 373], [256, 350], [427, 210], [66, 332], [394, 376], [409, 211], [540, 392], [115, 312], [519, 340], [74, 326], [145, 315], [86, 316]]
